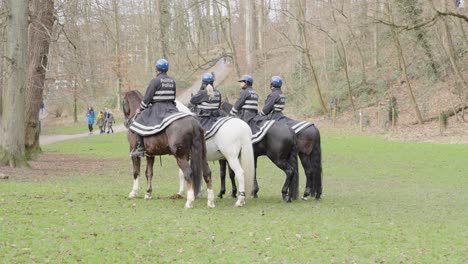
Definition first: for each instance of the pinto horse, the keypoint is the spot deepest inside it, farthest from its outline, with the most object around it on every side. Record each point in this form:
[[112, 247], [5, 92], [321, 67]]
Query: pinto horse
[[279, 146], [310, 154], [231, 142], [184, 139]]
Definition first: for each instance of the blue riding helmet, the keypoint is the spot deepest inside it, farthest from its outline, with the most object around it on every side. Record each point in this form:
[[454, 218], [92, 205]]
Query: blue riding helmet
[[208, 78], [246, 78], [162, 65], [276, 81]]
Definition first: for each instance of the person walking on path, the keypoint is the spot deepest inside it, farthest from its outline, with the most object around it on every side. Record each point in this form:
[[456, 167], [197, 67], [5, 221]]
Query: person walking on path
[[109, 121], [91, 116], [100, 122]]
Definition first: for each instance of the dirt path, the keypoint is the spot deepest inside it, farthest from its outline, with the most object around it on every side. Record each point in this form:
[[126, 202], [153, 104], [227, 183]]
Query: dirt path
[[220, 69]]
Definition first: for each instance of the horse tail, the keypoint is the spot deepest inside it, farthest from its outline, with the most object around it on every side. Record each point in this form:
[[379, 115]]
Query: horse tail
[[197, 156], [316, 159], [247, 163], [293, 162]]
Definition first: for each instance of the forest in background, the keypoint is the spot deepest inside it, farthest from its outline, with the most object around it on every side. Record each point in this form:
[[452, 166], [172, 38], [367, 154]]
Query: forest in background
[[343, 54]]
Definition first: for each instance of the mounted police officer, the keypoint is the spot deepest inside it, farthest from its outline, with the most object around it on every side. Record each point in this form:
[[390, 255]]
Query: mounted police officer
[[207, 102], [158, 109], [274, 104], [246, 108]]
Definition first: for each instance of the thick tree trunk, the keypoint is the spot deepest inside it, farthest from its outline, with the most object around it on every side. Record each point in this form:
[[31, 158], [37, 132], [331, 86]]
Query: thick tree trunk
[[40, 30], [12, 141]]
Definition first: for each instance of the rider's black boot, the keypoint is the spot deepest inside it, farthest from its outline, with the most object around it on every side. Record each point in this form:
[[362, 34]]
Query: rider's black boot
[[139, 150]]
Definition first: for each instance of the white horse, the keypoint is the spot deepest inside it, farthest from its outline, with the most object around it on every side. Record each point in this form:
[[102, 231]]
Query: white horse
[[233, 143]]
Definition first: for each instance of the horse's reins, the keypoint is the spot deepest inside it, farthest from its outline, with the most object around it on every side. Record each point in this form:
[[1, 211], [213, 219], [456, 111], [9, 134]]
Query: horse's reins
[[130, 120]]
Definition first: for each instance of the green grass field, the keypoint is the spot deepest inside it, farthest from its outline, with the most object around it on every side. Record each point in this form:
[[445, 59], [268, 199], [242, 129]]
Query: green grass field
[[383, 201]]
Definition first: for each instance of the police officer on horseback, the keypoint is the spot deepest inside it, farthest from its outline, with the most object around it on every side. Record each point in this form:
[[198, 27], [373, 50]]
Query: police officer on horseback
[[207, 102], [158, 108], [246, 107], [274, 104]]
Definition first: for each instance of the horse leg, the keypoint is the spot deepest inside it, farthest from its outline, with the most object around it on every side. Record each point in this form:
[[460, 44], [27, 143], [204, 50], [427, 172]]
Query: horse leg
[[239, 173], [136, 174], [222, 175], [284, 165], [306, 164], [232, 176], [209, 185], [255, 187], [181, 183], [149, 177], [184, 165]]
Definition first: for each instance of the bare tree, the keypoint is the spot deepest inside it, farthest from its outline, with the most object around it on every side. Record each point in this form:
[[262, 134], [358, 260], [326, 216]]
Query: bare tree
[[12, 151], [396, 38], [40, 33]]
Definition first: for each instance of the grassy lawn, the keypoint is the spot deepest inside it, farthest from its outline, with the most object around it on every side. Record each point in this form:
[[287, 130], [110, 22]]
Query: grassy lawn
[[383, 201], [65, 130]]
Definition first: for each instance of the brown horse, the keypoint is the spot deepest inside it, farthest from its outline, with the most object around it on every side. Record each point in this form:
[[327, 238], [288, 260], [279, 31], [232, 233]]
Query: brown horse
[[184, 139]]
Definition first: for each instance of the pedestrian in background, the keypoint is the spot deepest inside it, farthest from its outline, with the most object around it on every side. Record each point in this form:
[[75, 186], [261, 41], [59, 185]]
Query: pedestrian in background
[[91, 116]]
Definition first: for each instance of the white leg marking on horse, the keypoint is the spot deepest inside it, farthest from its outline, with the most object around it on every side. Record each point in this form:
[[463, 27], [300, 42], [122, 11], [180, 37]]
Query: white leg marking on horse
[[135, 188], [240, 201], [181, 182], [190, 199], [211, 198]]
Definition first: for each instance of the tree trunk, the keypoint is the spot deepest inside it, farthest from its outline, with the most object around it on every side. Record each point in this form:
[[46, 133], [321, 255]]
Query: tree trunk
[[376, 35], [403, 65], [229, 38], [12, 152], [413, 13], [118, 55], [305, 45], [40, 30], [344, 58], [261, 22], [163, 15], [250, 34], [451, 51]]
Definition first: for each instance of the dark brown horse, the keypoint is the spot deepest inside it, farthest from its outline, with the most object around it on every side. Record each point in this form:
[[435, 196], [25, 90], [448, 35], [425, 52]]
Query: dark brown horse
[[182, 139], [310, 153]]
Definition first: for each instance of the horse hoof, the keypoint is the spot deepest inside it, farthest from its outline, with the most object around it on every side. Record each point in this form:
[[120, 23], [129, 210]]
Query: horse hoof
[[148, 196], [220, 196], [305, 198], [233, 195], [211, 205], [255, 196], [188, 206], [132, 195]]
